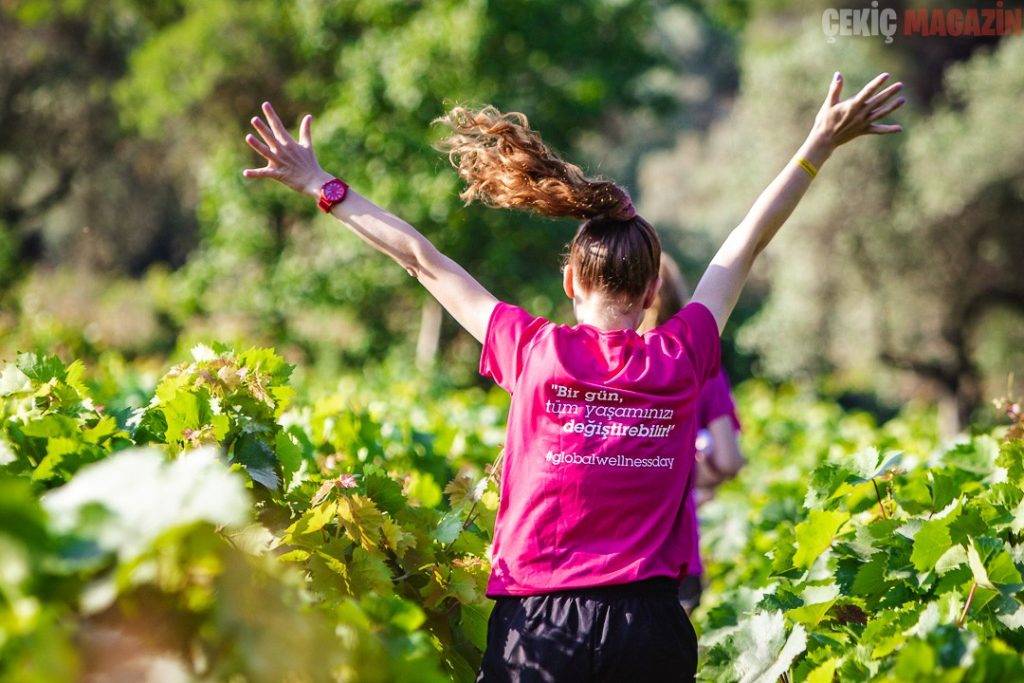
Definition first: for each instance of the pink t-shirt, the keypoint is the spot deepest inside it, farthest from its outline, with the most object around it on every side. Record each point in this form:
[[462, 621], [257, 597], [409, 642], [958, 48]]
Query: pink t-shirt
[[715, 401], [599, 449]]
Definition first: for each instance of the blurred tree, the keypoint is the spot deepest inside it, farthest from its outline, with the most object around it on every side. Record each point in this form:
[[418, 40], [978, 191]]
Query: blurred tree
[[73, 185], [958, 234], [904, 246], [376, 73]]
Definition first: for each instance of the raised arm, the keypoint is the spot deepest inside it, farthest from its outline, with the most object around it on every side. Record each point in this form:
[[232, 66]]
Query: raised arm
[[293, 163], [837, 123]]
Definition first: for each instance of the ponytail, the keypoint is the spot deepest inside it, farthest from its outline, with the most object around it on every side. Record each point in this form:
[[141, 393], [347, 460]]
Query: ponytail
[[505, 164]]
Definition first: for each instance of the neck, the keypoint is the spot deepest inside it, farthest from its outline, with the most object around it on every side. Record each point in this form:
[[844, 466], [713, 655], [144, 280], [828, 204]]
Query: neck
[[605, 315]]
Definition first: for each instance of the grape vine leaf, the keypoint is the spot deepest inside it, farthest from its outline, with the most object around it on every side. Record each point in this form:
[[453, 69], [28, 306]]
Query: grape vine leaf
[[763, 650], [1002, 572], [257, 457], [977, 563], [814, 535], [783, 552], [944, 488], [884, 633], [41, 369], [315, 518], [145, 496], [1010, 612], [56, 448], [817, 602], [952, 558], [977, 456], [13, 381], [463, 586], [367, 572], [931, 542], [448, 529], [362, 520], [1017, 524], [50, 426], [289, 453], [869, 539], [397, 538], [385, 491], [1011, 458], [864, 463], [870, 578], [824, 672], [460, 491], [474, 622], [826, 482]]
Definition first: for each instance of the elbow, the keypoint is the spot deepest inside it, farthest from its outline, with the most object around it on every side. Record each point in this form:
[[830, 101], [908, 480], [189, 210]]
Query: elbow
[[415, 255]]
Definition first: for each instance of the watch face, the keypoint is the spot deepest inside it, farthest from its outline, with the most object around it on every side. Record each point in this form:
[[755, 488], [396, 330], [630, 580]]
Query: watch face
[[333, 191]]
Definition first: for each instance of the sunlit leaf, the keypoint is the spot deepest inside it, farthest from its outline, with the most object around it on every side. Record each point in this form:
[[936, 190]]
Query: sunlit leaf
[[145, 496], [814, 536], [362, 520]]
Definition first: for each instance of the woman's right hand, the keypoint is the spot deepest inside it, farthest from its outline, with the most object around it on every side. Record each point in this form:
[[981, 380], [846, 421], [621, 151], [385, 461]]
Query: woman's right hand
[[838, 122], [289, 161]]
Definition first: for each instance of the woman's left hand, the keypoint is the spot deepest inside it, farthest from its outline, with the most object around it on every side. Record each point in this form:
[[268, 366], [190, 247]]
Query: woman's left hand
[[289, 161], [838, 122]]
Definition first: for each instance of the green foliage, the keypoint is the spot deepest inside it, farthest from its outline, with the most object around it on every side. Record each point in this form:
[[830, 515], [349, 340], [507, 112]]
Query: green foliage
[[899, 548], [281, 537], [51, 427], [269, 541]]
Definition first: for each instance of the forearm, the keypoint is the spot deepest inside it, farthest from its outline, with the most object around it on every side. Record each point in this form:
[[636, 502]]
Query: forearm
[[726, 458], [774, 206], [457, 291], [727, 273], [722, 458], [837, 123], [382, 230]]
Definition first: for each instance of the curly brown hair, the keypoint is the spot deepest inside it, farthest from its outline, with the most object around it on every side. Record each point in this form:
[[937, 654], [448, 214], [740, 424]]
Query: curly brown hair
[[506, 164]]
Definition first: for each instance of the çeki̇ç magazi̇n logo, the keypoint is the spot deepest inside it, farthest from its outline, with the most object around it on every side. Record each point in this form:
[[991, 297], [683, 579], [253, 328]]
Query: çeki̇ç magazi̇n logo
[[954, 22]]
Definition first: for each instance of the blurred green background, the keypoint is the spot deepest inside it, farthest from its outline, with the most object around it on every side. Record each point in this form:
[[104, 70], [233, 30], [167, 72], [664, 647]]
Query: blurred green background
[[127, 231]]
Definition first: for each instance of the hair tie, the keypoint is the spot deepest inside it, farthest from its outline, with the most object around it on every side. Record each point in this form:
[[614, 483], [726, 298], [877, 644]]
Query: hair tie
[[627, 212], [623, 211]]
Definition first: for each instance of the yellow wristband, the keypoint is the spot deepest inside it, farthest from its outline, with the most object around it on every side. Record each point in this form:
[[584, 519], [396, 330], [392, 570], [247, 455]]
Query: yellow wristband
[[807, 166]]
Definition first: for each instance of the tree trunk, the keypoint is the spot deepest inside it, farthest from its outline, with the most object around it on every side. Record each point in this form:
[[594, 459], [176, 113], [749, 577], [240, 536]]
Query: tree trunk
[[429, 338]]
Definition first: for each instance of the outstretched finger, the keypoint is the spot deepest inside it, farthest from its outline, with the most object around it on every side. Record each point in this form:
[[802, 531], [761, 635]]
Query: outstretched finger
[[265, 172], [268, 135], [883, 129], [872, 87], [262, 149], [835, 89], [881, 97], [280, 132], [306, 131], [887, 109]]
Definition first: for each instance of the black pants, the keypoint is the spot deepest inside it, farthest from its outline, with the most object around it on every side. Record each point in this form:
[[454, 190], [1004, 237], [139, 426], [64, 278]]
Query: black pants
[[636, 633]]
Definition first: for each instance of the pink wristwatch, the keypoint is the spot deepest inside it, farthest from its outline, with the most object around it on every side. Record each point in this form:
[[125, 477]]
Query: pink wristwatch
[[332, 192]]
